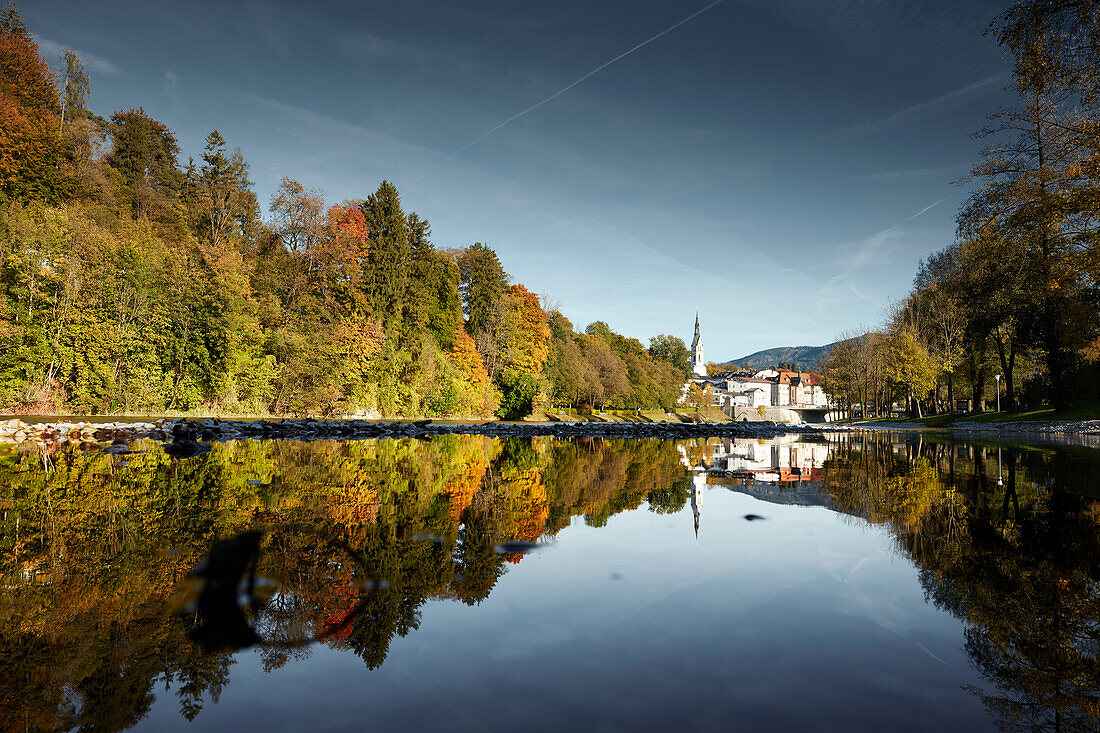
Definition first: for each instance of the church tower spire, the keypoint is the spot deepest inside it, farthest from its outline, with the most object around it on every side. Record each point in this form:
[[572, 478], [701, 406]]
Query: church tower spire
[[698, 366]]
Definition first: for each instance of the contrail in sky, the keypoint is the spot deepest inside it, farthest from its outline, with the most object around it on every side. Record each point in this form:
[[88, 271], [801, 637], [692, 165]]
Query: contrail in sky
[[926, 208], [569, 86]]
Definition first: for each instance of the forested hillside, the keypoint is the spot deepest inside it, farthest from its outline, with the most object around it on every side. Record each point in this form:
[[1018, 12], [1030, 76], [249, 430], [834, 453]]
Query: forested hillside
[[135, 281], [805, 357]]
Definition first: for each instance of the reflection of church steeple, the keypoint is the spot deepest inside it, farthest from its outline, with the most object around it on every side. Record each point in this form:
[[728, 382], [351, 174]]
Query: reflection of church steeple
[[695, 511], [698, 482]]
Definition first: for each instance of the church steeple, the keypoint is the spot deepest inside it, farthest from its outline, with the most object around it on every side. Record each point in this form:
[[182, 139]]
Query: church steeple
[[698, 366]]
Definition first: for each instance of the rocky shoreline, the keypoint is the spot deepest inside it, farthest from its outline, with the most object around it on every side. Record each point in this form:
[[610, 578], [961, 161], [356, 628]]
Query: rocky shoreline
[[1057, 432], [188, 433]]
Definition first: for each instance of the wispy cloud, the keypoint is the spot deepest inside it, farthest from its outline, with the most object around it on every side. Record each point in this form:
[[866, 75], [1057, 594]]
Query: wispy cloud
[[92, 62], [862, 262], [907, 175], [171, 82], [523, 22], [360, 43], [365, 45], [928, 108]]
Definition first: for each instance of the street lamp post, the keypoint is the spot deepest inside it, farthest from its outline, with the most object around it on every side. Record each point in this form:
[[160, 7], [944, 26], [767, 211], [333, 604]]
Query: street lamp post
[[998, 378]]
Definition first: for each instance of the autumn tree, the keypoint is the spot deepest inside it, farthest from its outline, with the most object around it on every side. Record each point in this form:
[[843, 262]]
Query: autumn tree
[[1057, 40], [944, 305], [524, 346], [30, 107], [298, 215], [671, 349], [341, 255], [909, 366], [74, 89]]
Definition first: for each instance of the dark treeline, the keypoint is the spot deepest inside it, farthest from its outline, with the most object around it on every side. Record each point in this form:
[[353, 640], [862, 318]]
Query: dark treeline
[[1018, 293], [95, 548], [132, 282]]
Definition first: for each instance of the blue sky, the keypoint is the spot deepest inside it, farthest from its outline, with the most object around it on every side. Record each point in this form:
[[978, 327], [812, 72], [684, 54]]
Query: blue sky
[[780, 166]]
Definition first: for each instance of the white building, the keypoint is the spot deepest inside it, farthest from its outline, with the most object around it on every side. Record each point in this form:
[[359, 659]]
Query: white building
[[765, 388]]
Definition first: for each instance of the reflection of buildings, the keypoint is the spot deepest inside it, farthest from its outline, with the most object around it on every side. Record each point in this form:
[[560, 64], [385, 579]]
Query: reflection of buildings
[[777, 461], [783, 470]]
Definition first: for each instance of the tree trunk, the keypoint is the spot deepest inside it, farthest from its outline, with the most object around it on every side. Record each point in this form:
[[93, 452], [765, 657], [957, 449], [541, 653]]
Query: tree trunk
[[1010, 385], [1007, 361], [977, 381]]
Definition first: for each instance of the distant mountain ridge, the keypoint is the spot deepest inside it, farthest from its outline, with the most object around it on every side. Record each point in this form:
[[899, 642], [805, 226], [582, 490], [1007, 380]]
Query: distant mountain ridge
[[807, 357]]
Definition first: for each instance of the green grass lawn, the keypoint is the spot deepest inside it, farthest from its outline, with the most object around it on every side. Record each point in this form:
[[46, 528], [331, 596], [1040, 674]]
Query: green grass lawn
[[1083, 411]]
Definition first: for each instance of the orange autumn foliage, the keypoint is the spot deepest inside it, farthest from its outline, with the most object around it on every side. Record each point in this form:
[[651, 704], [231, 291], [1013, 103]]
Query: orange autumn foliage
[[30, 138], [462, 488], [526, 509], [356, 505], [350, 226], [465, 356], [342, 254], [335, 627]]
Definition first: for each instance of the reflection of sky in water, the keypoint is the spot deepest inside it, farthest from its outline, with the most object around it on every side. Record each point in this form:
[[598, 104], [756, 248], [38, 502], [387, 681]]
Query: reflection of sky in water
[[804, 620]]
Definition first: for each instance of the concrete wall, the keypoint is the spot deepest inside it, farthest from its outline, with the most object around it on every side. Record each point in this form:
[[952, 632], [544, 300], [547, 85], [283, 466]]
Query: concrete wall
[[774, 414]]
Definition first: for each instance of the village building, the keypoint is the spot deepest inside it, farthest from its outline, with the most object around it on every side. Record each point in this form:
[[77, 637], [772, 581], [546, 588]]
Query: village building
[[763, 388]]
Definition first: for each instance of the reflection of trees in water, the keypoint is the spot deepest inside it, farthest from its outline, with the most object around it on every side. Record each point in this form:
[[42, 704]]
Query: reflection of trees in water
[[93, 551], [1006, 548]]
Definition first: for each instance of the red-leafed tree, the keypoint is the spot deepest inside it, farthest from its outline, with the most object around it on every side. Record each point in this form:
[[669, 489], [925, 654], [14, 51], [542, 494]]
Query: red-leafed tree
[[30, 136], [344, 251]]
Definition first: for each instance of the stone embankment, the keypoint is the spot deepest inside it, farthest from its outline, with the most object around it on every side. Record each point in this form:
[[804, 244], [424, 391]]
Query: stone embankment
[[1084, 433], [1060, 432], [1037, 427], [188, 435], [17, 431]]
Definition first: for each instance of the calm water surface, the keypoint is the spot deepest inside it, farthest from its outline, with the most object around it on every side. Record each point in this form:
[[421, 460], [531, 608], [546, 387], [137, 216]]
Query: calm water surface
[[873, 582]]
